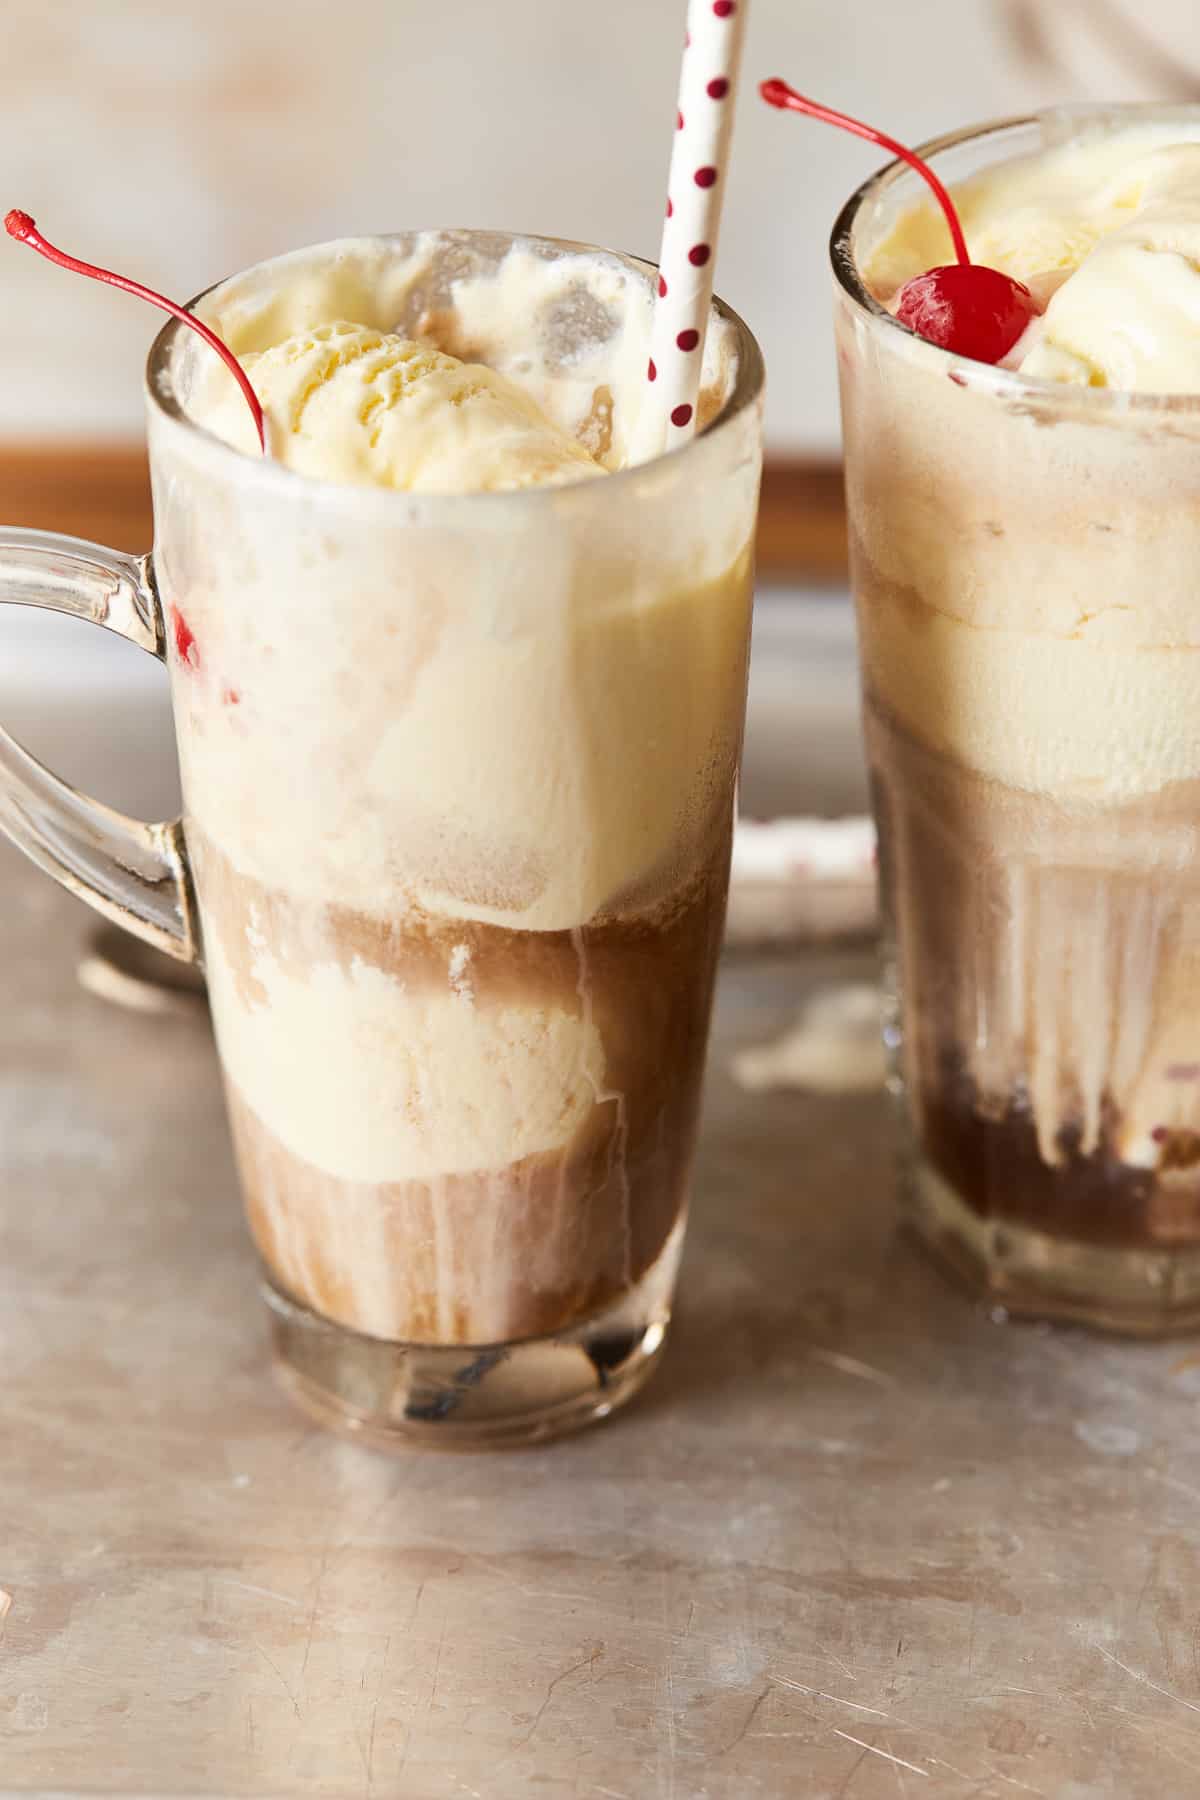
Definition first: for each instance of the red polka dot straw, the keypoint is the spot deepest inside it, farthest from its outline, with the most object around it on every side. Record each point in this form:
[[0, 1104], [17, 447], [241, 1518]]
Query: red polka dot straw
[[695, 190]]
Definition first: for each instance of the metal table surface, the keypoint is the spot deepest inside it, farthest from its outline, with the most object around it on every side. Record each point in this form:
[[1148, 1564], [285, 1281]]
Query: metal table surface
[[856, 1539]]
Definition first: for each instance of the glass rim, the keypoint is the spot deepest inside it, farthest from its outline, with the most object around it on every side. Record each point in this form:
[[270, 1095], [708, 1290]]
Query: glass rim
[[1006, 384], [161, 397]]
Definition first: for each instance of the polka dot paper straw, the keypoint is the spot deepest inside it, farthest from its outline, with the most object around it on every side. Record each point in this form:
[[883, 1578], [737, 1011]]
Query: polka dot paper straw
[[695, 191]]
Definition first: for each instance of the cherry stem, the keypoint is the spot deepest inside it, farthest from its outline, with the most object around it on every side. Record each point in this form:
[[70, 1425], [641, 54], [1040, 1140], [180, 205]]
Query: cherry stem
[[19, 225], [778, 93]]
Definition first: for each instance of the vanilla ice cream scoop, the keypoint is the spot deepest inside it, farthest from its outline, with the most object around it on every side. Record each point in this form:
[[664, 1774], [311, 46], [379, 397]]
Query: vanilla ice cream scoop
[[347, 403], [1105, 229], [1129, 316]]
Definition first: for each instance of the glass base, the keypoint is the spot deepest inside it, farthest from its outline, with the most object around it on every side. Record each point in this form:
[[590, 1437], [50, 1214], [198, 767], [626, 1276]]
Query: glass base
[[1137, 1292], [473, 1396]]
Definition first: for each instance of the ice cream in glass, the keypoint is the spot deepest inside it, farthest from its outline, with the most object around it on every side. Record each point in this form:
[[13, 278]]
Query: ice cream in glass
[[1024, 543]]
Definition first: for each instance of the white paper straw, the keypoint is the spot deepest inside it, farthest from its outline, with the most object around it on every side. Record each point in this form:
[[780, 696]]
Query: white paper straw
[[695, 192]]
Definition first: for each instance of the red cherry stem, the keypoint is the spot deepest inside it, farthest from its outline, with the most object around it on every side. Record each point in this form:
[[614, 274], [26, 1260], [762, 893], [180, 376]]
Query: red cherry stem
[[19, 225], [778, 93]]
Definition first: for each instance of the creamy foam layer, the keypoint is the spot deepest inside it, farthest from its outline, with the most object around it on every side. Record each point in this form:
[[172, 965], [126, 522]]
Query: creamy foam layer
[[571, 332], [521, 747]]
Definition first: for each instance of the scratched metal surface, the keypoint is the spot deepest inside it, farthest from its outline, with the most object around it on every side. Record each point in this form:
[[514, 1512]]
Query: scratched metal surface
[[857, 1540]]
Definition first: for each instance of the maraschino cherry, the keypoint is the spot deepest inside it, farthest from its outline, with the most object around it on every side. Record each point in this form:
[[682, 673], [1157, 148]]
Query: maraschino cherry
[[19, 225], [963, 307]]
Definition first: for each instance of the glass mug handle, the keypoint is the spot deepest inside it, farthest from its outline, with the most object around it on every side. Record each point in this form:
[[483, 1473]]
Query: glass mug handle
[[135, 874]]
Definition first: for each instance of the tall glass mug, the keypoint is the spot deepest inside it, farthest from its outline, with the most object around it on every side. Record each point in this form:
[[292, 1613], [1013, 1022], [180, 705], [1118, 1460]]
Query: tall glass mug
[[1026, 561], [458, 779]]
